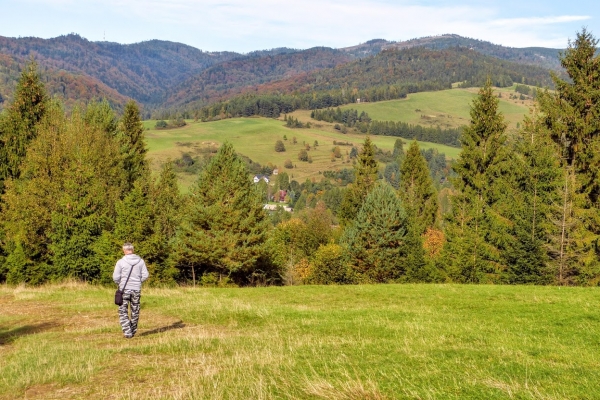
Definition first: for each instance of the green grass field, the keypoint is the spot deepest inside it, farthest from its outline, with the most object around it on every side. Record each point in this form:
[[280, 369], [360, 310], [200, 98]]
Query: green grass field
[[256, 137], [446, 108], [304, 342]]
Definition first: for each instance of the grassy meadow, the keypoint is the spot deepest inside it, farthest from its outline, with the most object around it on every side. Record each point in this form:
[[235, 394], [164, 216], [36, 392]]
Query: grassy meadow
[[256, 137], [446, 108], [303, 342]]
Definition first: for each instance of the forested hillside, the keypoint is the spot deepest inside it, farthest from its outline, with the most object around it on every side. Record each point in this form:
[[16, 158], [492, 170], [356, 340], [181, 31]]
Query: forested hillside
[[391, 74], [231, 77], [164, 75], [538, 56], [140, 71]]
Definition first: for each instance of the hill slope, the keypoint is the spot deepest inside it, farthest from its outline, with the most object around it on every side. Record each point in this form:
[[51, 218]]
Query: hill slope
[[537, 56]]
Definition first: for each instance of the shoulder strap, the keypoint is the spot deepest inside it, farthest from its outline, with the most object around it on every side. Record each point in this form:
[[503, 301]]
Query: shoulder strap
[[128, 276]]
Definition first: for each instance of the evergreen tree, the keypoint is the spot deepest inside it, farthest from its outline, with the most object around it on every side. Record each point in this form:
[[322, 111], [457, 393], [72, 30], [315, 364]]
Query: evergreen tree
[[101, 115], [17, 125], [65, 197], [416, 190], [223, 226], [365, 176], [376, 240], [528, 201], [133, 146], [572, 115], [166, 208], [474, 229]]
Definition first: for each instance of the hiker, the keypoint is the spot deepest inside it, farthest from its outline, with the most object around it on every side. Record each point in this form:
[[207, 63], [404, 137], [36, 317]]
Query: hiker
[[129, 274]]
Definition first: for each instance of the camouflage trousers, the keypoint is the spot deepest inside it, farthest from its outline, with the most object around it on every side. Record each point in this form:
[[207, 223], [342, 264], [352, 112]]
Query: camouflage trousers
[[131, 300]]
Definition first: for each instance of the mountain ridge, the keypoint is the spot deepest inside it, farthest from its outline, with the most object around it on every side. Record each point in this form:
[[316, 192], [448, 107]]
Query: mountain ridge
[[160, 74]]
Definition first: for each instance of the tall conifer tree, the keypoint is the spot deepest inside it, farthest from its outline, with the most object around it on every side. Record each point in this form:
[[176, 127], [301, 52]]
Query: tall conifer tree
[[531, 193], [376, 240], [17, 125], [64, 199], [474, 228], [132, 143], [572, 115], [365, 176], [416, 190], [224, 225]]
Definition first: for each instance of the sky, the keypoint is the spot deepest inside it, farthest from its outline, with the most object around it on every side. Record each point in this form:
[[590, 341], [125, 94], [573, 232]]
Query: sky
[[245, 25]]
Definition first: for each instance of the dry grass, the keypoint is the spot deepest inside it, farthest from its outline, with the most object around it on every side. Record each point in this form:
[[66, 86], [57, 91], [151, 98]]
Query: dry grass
[[346, 342]]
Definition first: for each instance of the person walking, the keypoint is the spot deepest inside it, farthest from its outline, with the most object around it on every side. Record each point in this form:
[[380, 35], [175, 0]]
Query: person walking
[[130, 272]]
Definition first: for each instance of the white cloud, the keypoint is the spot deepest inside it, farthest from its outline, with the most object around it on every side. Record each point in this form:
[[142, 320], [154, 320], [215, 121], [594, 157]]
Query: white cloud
[[242, 25]]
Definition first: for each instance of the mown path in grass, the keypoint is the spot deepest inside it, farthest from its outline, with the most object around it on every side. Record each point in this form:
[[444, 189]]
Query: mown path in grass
[[307, 342]]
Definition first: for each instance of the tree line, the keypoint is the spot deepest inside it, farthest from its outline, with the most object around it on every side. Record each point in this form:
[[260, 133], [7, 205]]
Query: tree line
[[522, 208], [363, 123]]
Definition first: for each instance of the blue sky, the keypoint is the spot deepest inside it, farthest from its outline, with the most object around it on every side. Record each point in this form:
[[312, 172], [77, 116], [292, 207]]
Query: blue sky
[[245, 25]]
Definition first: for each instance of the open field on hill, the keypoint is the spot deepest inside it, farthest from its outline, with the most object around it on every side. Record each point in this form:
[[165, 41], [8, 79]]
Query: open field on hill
[[446, 108], [303, 342], [256, 137]]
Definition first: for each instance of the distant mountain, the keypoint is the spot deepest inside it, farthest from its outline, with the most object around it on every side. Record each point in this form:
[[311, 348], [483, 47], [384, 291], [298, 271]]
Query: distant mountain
[[538, 56], [141, 71], [232, 77], [412, 66], [160, 74]]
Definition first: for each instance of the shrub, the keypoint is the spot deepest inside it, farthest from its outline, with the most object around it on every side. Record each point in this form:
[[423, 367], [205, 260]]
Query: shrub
[[303, 155], [279, 146], [288, 164], [328, 265]]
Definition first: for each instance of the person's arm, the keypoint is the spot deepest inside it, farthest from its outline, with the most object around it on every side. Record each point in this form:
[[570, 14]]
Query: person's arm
[[117, 273], [145, 273]]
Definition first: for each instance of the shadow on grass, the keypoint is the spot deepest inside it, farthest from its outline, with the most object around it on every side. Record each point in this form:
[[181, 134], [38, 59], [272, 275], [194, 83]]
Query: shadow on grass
[[177, 325], [9, 336]]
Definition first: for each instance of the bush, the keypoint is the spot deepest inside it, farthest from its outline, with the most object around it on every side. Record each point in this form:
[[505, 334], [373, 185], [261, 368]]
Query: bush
[[279, 146], [288, 164], [303, 155], [328, 265], [161, 124]]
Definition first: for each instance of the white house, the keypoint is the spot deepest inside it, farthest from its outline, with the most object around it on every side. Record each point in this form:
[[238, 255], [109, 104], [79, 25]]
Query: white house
[[257, 178]]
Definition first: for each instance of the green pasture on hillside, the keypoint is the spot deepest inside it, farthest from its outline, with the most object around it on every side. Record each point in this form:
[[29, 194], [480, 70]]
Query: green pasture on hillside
[[446, 108], [304, 342], [256, 137]]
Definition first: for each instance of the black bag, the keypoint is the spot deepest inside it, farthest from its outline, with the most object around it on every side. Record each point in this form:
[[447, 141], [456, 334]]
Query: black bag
[[119, 293], [119, 297]]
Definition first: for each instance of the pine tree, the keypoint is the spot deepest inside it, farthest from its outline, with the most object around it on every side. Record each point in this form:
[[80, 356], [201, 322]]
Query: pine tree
[[224, 225], [474, 229], [528, 201], [17, 126], [376, 241], [166, 207], [365, 176], [65, 197], [572, 115], [416, 190], [133, 146]]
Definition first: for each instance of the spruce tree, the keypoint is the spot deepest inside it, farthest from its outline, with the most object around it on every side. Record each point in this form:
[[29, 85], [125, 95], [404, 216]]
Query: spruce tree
[[133, 146], [17, 125], [376, 241], [572, 116], [64, 199], [529, 201], [474, 229], [365, 176], [224, 225], [416, 190]]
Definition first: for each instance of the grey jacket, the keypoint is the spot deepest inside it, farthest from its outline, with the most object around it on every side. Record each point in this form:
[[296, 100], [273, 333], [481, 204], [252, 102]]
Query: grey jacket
[[138, 275]]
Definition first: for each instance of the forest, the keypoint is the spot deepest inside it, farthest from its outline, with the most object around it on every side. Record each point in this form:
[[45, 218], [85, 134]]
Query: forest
[[521, 208]]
